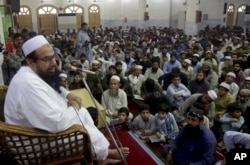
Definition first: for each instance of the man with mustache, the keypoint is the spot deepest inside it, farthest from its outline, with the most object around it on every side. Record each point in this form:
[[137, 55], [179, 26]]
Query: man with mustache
[[34, 99], [114, 98], [196, 144]]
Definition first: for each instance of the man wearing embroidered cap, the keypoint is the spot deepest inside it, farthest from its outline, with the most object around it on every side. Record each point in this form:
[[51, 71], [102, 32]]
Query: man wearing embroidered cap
[[35, 85], [223, 100]]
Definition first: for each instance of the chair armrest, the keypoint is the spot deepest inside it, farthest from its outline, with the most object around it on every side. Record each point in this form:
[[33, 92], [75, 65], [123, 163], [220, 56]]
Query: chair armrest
[[34, 146]]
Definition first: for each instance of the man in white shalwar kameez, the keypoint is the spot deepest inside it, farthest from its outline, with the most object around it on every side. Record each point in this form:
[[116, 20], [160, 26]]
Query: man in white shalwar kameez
[[32, 101]]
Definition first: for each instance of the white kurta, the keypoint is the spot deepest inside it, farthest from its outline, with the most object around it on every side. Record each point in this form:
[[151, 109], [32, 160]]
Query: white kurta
[[1, 72], [31, 102]]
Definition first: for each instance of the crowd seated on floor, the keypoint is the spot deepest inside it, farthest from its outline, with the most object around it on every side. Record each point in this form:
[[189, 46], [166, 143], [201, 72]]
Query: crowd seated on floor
[[175, 79]]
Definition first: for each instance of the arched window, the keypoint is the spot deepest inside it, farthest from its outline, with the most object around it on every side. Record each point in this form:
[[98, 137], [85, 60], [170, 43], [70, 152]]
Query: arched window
[[24, 10], [24, 18], [242, 8], [47, 10], [94, 16], [47, 19], [230, 8], [74, 9], [94, 9], [79, 13]]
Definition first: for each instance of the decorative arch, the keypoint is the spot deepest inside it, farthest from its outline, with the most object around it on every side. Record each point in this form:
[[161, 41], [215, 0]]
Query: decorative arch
[[78, 10], [230, 15], [24, 18], [47, 19], [94, 16], [241, 15]]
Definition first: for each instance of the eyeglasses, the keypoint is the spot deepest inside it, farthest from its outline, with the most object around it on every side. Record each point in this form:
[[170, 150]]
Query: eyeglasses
[[46, 59]]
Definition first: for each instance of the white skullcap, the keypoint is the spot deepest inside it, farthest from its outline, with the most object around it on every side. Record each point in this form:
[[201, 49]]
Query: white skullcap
[[33, 44], [247, 42], [196, 55], [138, 67], [95, 62], [64, 75], [187, 61], [228, 57], [247, 78], [117, 42], [225, 85], [74, 60], [115, 77], [231, 74], [212, 94]]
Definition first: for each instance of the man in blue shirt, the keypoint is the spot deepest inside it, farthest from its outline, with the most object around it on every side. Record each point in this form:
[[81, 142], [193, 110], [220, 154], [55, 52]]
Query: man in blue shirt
[[195, 145]]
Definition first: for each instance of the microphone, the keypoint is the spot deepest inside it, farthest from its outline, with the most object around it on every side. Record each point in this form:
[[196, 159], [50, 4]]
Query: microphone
[[72, 68]]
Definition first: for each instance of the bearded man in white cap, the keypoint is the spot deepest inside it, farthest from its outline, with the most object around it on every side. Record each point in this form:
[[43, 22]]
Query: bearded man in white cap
[[187, 69], [114, 98], [206, 99], [41, 103]]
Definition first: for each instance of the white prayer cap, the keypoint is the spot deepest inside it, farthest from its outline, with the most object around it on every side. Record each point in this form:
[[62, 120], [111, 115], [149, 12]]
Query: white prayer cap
[[95, 62], [117, 42], [138, 67], [231, 74], [187, 61], [115, 77], [247, 78], [212, 94], [33, 44], [64, 75], [225, 85], [228, 57], [247, 42], [196, 55]]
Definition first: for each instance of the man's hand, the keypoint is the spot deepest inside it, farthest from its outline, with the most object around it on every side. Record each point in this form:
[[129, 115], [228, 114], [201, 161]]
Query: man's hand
[[74, 104], [158, 134], [169, 156], [73, 98], [234, 120]]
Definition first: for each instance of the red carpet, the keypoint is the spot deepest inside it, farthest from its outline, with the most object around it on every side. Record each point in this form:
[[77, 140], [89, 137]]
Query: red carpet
[[139, 154]]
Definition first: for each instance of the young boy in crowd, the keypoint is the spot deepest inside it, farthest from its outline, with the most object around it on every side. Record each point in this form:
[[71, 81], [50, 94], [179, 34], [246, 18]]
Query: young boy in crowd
[[232, 120], [166, 126], [123, 114], [77, 82], [144, 123]]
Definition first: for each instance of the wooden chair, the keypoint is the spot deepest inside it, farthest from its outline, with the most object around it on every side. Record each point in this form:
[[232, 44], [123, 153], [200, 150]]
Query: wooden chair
[[3, 91], [33, 146]]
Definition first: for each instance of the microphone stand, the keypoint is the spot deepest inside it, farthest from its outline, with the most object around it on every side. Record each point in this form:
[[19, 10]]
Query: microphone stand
[[104, 121]]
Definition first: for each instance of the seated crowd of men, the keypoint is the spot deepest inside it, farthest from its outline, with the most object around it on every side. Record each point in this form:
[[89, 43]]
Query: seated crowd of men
[[170, 76]]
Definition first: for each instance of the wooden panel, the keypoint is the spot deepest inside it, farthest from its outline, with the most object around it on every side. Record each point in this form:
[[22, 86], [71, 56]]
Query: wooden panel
[[25, 21], [198, 16], [94, 20], [230, 19], [79, 20], [47, 22], [87, 102]]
